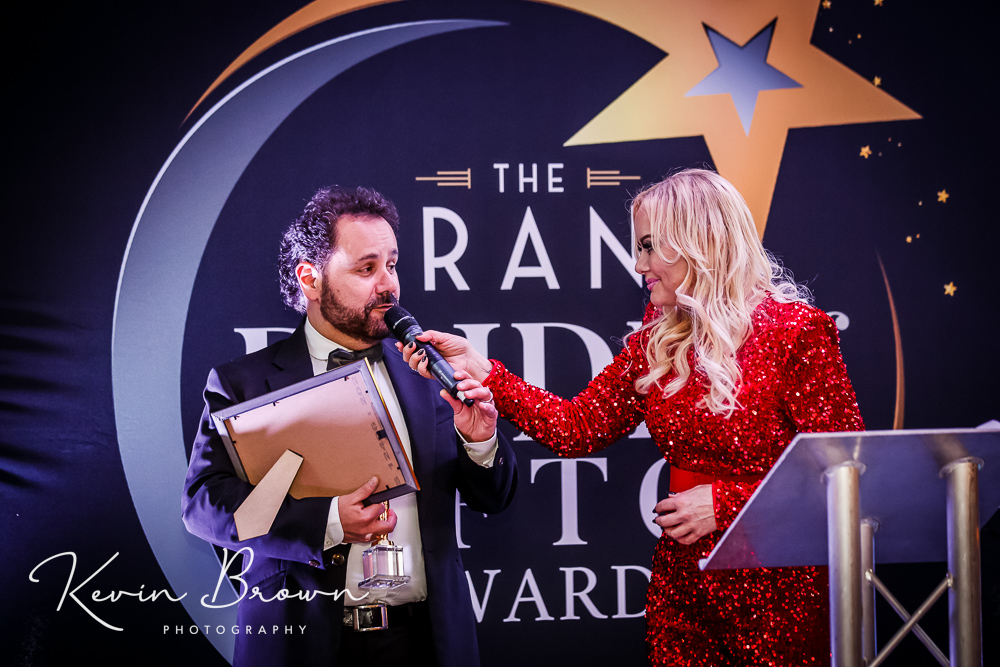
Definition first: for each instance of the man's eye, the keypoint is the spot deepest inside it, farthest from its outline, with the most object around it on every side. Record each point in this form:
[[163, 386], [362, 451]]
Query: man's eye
[[392, 268]]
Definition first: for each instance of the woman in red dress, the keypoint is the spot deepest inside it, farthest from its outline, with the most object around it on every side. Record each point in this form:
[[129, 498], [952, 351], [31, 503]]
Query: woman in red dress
[[729, 364]]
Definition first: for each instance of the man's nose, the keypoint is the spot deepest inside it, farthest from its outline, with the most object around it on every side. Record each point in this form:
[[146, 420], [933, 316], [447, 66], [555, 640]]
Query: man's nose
[[387, 281]]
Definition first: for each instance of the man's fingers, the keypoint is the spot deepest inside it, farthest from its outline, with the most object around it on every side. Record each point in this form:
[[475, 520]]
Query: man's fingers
[[466, 383], [480, 394], [456, 404], [370, 513], [383, 527], [472, 388], [363, 491], [376, 526]]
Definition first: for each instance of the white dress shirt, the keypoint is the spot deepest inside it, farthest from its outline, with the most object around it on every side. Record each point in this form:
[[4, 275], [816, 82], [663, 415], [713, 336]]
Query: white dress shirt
[[407, 532]]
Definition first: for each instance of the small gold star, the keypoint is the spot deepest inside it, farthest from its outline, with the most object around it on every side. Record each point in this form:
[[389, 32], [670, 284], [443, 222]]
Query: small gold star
[[920, 203], [878, 81], [943, 196], [949, 289], [918, 236], [909, 239], [827, 4], [866, 151], [878, 3]]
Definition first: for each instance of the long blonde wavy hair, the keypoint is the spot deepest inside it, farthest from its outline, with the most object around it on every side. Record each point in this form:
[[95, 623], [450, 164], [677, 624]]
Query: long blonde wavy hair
[[702, 217]]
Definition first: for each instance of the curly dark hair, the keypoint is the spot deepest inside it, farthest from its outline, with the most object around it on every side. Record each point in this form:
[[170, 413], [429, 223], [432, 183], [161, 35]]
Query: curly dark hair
[[313, 236]]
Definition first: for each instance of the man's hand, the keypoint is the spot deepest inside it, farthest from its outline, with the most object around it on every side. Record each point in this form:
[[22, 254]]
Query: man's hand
[[478, 422], [360, 522], [687, 516], [456, 350]]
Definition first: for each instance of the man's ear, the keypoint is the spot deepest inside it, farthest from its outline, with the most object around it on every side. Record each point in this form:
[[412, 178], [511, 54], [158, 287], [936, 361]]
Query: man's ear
[[310, 280]]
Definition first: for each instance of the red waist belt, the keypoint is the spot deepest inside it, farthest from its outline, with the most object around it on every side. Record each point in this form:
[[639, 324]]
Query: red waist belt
[[682, 480]]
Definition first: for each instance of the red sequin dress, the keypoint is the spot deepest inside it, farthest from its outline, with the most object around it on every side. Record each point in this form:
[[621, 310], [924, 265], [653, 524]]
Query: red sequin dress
[[794, 380]]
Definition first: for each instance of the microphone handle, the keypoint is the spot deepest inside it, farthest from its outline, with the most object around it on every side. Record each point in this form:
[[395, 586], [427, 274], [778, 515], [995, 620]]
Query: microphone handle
[[437, 366]]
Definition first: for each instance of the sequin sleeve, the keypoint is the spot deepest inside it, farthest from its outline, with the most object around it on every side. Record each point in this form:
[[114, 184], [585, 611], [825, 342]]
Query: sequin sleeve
[[608, 409], [816, 394], [819, 396]]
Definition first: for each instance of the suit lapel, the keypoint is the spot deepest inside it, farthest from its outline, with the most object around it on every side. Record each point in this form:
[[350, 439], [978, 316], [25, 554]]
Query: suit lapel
[[292, 360], [418, 407]]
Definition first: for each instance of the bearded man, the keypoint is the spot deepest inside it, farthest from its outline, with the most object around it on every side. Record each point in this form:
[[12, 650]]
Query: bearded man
[[338, 268]]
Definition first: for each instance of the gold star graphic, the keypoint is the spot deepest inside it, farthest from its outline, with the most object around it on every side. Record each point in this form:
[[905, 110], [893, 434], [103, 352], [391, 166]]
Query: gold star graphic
[[878, 81], [878, 3], [866, 151], [657, 105], [827, 4], [949, 289], [909, 239], [943, 196]]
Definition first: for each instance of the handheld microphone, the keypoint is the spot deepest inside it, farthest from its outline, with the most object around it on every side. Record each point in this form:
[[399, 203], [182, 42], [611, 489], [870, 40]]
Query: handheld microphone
[[404, 328]]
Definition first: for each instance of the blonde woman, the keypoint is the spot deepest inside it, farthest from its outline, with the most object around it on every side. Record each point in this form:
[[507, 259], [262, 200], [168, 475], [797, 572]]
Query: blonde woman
[[729, 364]]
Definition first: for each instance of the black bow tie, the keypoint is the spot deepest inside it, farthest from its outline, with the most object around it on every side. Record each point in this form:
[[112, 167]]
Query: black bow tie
[[340, 356]]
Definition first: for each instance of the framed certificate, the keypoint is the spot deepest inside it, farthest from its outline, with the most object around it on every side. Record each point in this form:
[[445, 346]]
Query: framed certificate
[[336, 421]]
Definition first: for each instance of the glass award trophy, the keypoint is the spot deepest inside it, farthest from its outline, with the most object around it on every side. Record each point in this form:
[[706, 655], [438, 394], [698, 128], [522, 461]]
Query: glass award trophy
[[382, 562]]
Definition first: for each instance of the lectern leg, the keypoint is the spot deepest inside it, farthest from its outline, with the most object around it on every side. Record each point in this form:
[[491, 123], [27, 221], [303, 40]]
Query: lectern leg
[[964, 598], [843, 525], [869, 647]]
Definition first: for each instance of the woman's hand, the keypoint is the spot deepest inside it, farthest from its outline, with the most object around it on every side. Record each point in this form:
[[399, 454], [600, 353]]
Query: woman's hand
[[687, 516], [456, 350]]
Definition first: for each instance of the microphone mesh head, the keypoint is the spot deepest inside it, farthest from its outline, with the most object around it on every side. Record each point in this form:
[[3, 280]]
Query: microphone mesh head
[[398, 320]]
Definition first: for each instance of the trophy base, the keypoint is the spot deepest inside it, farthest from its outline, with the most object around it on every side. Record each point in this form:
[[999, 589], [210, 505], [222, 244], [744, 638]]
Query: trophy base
[[383, 582], [383, 567]]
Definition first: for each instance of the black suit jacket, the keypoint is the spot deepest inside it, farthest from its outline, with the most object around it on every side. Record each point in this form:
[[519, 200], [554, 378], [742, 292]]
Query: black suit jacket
[[291, 554]]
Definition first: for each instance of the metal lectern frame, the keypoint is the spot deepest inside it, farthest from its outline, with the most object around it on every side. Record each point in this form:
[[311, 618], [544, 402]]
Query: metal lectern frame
[[920, 490]]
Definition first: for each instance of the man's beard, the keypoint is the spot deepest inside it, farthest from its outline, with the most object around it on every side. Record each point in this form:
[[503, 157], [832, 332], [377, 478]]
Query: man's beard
[[357, 323]]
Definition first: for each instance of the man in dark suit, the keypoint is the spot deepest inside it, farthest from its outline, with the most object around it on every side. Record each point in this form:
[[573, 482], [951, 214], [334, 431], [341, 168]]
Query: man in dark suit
[[338, 268]]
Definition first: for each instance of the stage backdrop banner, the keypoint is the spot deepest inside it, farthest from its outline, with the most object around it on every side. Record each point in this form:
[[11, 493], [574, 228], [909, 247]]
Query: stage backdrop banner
[[511, 136]]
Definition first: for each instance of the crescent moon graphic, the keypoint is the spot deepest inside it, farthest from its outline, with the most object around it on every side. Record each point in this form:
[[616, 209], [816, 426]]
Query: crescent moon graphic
[[154, 290], [897, 416]]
